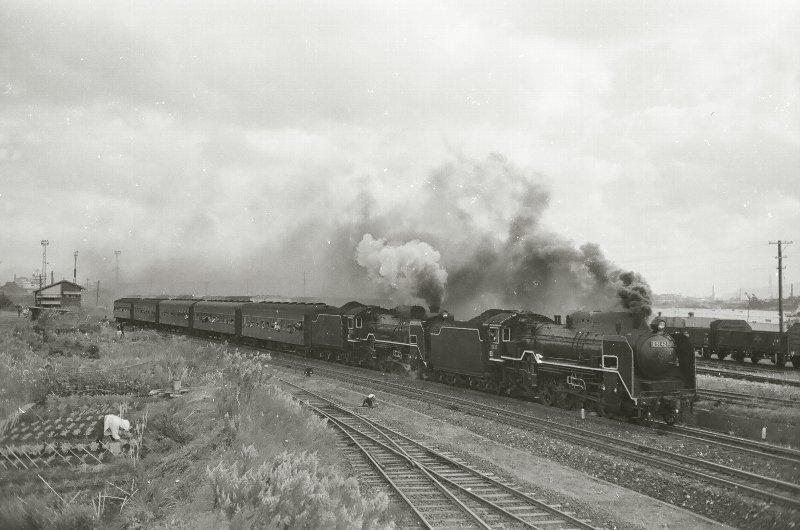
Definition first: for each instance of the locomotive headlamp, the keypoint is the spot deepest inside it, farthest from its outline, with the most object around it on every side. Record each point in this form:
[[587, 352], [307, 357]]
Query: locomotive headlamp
[[658, 325]]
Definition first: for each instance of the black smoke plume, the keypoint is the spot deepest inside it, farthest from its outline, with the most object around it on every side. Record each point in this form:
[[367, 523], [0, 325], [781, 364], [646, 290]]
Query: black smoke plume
[[482, 220]]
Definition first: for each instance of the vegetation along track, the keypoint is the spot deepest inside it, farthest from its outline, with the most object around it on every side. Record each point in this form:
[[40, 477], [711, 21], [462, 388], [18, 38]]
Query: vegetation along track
[[442, 492], [723, 476]]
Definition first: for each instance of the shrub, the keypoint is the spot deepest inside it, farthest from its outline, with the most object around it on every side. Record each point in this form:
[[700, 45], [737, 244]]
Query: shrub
[[246, 372], [293, 491], [93, 351], [169, 427]]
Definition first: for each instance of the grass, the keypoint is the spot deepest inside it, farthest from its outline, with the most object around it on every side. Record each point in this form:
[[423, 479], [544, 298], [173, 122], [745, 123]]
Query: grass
[[236, 450]]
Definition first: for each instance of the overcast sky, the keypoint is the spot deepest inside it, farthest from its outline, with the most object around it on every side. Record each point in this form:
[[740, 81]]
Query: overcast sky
[[196, 137]]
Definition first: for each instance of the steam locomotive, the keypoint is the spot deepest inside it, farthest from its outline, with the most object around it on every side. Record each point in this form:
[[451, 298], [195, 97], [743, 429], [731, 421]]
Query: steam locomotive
[[613, 362]]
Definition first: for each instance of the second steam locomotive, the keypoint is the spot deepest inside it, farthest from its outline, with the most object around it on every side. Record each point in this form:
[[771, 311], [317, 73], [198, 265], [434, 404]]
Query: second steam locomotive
[[614, 362]]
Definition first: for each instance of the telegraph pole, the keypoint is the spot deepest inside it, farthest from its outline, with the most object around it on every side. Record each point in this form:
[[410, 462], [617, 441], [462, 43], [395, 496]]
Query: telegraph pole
[[75, 268], [116, 267], [97, 299], [304, 284], [43, 277], [783, 343]]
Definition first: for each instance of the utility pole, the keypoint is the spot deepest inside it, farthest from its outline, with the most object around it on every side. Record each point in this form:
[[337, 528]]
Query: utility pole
[[97, 296], [783, 343], [116, 267], [75, 268], [304, 284], [43, 277]]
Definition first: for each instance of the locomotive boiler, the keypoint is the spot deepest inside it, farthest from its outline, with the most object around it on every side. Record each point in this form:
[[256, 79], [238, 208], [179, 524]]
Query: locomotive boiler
[[614, 362]]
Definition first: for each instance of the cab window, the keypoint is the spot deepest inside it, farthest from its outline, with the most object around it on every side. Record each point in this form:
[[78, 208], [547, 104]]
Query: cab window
[[412, 339], [349, 322], [494, 336], [506, 334], [359, 322]]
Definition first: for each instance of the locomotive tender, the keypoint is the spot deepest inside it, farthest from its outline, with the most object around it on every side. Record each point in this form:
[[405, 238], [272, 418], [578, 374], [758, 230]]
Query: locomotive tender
[[613, 362]]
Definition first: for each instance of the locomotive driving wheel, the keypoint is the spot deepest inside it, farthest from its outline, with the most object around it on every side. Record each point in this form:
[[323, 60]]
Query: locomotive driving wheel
[[548, 393], [383, 364], [562, 396], [599, 409], [670, 418]]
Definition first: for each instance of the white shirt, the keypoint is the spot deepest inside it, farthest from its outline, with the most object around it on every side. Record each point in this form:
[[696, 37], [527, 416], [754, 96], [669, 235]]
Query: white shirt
[[112, 424]]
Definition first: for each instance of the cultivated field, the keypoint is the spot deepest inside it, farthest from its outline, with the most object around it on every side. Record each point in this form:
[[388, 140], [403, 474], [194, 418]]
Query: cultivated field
[[233, 450]]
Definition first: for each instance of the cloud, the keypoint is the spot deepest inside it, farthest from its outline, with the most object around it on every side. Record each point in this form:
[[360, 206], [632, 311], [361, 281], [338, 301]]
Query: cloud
[[203, 141]]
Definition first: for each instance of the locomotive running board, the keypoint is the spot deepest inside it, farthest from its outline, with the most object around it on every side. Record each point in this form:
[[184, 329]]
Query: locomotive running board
[[538, 359]]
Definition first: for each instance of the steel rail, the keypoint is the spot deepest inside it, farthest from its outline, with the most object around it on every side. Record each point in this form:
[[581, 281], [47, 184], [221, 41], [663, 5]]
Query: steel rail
[[349, 430], [746, 398], [648, 455], [720, 439], [777, 452], [385, 432], [755, 378], [636, 454]]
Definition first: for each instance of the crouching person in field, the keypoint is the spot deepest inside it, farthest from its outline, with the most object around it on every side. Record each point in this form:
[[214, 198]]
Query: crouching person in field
[[110, 425]]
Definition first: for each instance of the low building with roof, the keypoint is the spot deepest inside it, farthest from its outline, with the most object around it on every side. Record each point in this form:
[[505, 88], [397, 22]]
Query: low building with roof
[[59, 295]]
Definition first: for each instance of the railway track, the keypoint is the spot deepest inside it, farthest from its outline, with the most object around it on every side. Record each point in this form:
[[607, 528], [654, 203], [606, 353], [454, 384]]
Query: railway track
[[744, 366], [441, 491], [726, 441], [726, 477], [746, 376], [746, 399]]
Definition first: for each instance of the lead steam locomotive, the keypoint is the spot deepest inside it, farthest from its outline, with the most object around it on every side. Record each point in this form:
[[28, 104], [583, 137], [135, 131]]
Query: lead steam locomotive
[[613, 362]]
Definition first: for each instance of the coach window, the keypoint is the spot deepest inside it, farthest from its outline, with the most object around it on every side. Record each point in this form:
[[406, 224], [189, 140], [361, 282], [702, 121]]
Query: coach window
[[506, 334], [359, 322]]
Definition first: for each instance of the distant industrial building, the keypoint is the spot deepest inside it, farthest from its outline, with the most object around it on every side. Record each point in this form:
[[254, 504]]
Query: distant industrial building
[[59, 295]]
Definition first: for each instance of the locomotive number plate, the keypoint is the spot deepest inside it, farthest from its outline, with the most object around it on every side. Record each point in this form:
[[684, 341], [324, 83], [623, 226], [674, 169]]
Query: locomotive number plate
[[659, 344]]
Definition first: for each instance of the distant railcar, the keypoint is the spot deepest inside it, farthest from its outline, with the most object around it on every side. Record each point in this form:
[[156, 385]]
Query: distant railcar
[[145, 310], [217, 318], [176, 313], [731, 337], [793, 344], [123, 309], [696, 329], [281, 323]]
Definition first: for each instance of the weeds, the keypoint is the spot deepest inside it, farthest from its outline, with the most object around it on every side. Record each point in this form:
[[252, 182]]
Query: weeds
[[35, 514], [292, 491], [275, 473]]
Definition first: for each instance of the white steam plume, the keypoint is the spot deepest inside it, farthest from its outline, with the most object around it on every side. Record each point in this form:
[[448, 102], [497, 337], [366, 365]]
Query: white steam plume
[[410, 271]]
